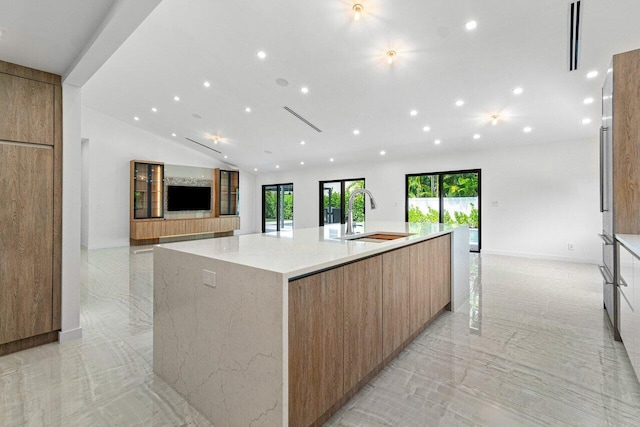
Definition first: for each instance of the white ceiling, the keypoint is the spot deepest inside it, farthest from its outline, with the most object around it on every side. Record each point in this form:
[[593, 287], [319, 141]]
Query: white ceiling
[[48, 35], [319, 45]]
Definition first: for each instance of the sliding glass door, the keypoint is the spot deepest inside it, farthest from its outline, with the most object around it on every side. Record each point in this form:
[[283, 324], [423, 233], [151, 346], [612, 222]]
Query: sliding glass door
[[277, 207], [334, 199], [446, 197]]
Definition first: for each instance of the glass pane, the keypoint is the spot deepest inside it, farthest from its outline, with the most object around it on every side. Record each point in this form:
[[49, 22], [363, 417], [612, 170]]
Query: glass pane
[[460, 202], [423, 198], [331, 205], [358, 202], [140, 193], [270, 208], [286, 207], [157, 189]]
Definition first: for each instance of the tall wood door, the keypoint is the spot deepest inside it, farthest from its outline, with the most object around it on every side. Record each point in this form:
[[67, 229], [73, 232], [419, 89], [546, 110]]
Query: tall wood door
[[26, 236], [440, 264], [27, 110], [362, 319], [315, 345], [395, 299], [422, 279]]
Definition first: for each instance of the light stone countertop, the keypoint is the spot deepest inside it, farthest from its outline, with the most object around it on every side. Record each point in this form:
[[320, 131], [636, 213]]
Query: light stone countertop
[[303, 251], [631, 242]]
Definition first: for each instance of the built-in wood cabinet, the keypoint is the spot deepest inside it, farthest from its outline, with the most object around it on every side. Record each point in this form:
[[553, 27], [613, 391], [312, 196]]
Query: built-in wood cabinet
[[347, 322], [395, 299], [227, 183], [31, 208], [315, 345], [362, 319]]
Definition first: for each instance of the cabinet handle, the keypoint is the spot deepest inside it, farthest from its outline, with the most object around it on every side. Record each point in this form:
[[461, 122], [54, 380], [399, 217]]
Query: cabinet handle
[[605, 275], [606, 238]]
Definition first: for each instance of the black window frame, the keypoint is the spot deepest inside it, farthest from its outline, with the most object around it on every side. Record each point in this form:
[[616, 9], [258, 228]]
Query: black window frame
[[264, 204]]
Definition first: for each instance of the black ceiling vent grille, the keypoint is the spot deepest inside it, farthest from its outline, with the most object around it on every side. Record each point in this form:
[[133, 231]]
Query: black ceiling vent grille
[[202, 145], [307, 122], [574, 34]]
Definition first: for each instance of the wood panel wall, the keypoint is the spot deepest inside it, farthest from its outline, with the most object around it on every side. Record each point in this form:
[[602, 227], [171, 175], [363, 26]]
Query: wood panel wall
[[31, 208]]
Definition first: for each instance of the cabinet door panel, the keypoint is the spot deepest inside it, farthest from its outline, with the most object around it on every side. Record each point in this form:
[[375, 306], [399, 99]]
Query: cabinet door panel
[[422, 279], [440, 263], [315, 345], [27, 110], [362, 319], [26, 236], [395, 299]]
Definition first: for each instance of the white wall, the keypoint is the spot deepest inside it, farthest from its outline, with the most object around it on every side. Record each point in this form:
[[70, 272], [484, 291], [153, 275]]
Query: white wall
[[113, 144], [547, 195]]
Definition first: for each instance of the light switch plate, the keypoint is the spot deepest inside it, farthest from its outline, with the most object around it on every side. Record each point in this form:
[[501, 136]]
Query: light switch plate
[[209, 278]]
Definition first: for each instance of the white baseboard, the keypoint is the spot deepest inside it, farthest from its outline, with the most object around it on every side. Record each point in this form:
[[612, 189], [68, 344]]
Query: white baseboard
[[540, 256], [73, 334]]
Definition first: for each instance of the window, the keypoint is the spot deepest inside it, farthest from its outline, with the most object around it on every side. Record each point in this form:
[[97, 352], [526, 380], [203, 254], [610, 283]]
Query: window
[[446, 197], [334, 199], [277, 207]]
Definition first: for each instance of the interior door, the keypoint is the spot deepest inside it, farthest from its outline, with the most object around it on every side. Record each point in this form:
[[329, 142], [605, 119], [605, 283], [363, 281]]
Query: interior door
[[26, 241]]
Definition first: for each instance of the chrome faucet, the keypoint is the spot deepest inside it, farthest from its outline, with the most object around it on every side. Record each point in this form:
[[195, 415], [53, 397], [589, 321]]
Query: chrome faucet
[[350, 216]]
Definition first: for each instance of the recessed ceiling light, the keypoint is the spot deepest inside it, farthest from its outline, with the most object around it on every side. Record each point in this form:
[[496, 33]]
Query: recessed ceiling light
[[247, 109], [302, 142], [357, 11], [586, 121], [414, 112], [592, 74], [527, 129], [173, 134], [437, 142], [588, 101], [226, 157], [302, 163], [356, 132], [304, 89], [255, 169], [262, 54], [471, 25], [459, 103], [154, 109], [476, 136], [426, 128], [136, 118], [518, 91], [331, 159], [382, 153], [206, 84], [277, 166], [391, 56], [176, 98]]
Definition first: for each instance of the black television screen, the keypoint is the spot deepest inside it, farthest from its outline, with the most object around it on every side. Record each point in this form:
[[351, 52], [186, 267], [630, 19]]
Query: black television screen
[[183, 198]]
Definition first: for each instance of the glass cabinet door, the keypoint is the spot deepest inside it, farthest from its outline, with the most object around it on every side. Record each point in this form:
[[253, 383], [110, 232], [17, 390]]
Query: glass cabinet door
[[148, 191], [228, 192]]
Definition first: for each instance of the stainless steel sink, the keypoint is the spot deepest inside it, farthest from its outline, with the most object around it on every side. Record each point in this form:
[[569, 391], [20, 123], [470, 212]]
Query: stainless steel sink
[[377, 236]]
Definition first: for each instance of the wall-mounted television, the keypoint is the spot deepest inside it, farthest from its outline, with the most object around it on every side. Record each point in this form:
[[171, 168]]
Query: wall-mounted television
[[185, 198]]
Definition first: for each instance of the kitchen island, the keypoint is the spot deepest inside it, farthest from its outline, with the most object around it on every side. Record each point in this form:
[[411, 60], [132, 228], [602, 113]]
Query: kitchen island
[[283, 328]]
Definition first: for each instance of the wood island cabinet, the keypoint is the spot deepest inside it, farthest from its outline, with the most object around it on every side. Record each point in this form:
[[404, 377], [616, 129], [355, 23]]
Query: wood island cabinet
[[347, 322]]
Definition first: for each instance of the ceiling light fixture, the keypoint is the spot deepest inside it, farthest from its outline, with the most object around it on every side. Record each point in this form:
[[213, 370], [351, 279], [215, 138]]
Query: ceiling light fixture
[[136, 118], [277, 166], [226, 156], [437, 142], [426, 128], [476, 136], [527, 129], [413, 113], [586, 121], [588, 101], [592, 74], [206, 84], [471, 25], [302, 163], [331, 159], [391, 56], [459, 103], [247, 109], [176, 98], [154, 109], [262, 54], [518, 91], [173, 134], [356, 132], [255, 169], [494, 119], [302, 142], [304, 90], [357, 11], [382, 153]]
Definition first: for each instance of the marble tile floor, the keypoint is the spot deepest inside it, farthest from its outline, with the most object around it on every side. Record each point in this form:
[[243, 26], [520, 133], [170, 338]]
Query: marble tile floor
[[531, 348]]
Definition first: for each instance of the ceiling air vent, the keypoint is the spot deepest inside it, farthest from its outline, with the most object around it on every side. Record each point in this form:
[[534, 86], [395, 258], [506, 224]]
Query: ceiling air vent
[[574, 34], [298, 116], [202, 145]]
